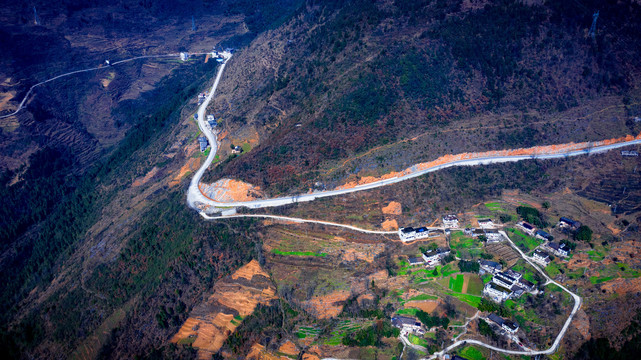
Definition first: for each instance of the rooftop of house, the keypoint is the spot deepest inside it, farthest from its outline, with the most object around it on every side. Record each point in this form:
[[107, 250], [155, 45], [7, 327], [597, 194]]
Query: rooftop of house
[[527, 225], [542, 254], [450, 218], [416, 260], [570, 221], [499, 288], [492, 264], [407, 230], [404, 320], [543, 233], [511, 325], [496, 319]]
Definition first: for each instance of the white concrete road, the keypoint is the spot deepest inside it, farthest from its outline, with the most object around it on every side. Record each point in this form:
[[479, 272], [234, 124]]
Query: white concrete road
[[262, 203], [557, 341], [26, 97], [194, 195], [197, 200]]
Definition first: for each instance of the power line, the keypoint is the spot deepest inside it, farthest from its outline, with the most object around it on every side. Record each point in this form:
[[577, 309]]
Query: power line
[[592, 31]]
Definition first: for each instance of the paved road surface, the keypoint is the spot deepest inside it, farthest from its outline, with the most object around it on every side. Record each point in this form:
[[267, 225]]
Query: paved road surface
[[26, 97], [262, 203]]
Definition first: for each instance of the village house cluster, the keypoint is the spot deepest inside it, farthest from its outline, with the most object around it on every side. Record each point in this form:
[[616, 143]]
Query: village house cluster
[[505, 284], [543, 254], [429, 258], [410, 234]]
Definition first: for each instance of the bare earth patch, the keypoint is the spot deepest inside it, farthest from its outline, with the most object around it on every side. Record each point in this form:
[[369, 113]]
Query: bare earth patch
[[394, 208], [234, 298], [428, 305], [145, 179], [622, 286], [389, 225], [230, 190], [327, 306], [288, 348]]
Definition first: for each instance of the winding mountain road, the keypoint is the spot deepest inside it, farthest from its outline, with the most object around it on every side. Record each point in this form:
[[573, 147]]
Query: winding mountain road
[[26, 97]]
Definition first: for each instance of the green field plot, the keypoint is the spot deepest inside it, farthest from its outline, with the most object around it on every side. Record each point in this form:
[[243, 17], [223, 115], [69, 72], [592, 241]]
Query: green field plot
[[456, 284], [472, 353], [424, 297], [341, 329], [417, 340], [494, 206], [460, 241], [307, 331], [600, 279], [408, 311], [467, 298], [524, 242], [474, 285], [298, 253]]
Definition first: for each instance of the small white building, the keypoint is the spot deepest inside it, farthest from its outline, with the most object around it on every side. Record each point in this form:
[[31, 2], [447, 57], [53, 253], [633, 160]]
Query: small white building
[[410, 233], [510, 326], [541, 257], [491, 267], [526, 227], [559, 249], [493, 235], [184, 56], [408, 324], [450, 221], [486, 224], [433, 257], [496, 292]]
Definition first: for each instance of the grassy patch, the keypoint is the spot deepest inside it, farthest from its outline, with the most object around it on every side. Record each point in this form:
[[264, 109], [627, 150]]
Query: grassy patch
[[409, 311], [424, 297], [600, 279], [460, 241], [472, 353], [524, 242], [343, 328], [456, 284], [494, 206], [475, 285], [298, 253], [417, 340], [187, 341], [552, 269], [246, 147], [469, 299], [487, 278], [216, 158]]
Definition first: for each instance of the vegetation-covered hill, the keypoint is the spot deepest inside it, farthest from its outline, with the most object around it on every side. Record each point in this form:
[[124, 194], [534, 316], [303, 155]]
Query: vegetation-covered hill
[[342, 78]]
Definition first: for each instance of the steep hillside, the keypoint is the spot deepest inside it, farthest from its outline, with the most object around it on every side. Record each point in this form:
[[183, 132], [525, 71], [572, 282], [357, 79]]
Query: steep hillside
[[394, 84]]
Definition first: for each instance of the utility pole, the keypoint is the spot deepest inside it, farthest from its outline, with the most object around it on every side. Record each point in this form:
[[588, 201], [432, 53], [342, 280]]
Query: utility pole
[[193, 24], [592, 31], [35, 17]]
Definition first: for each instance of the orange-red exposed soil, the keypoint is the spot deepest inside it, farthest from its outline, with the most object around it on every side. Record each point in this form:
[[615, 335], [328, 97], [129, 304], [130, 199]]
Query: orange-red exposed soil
[[622, 286], [327, 306], [394, 208], [445, 159], [145, 179], [428, 305], [192, 165], [211, 322], [288, 348], [229, 190], [389, 225]]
